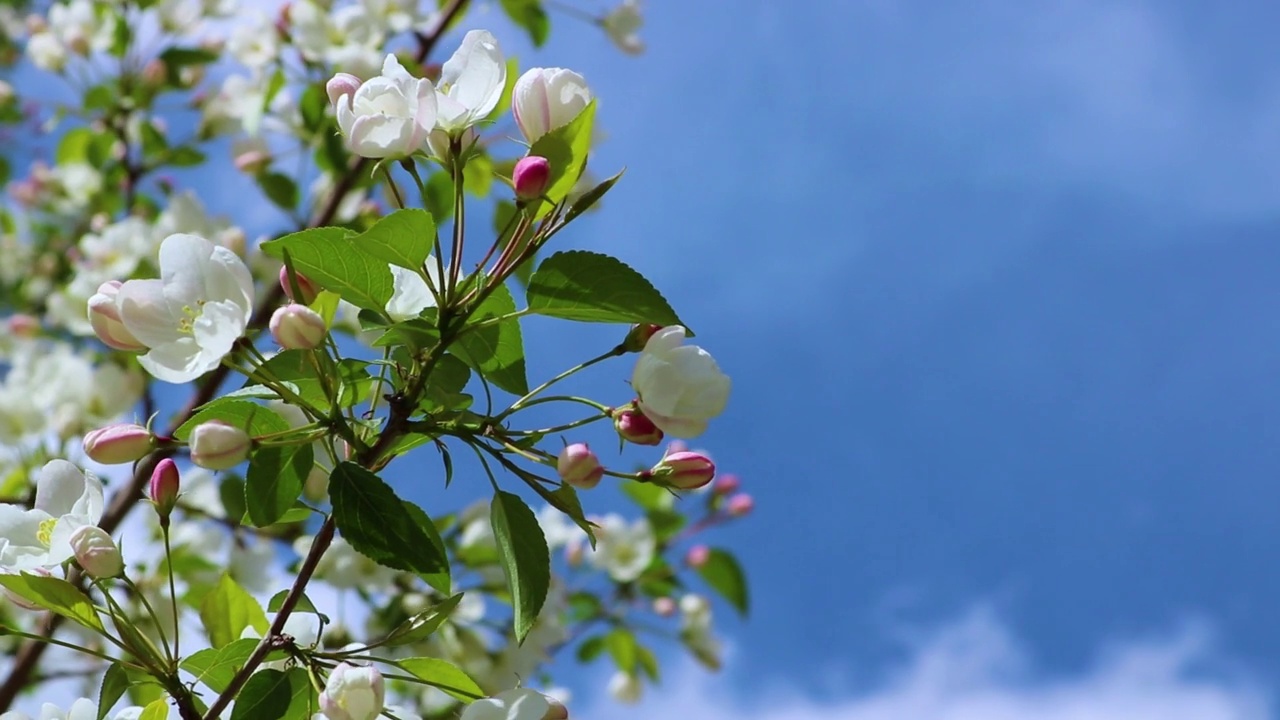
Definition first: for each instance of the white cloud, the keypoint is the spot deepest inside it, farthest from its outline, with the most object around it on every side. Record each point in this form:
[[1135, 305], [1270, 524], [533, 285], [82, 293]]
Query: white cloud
[[975, 669]]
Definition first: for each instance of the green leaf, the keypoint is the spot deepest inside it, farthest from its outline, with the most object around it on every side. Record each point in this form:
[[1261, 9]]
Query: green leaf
[[274, 481], [179, 56], [592, 196], [438, 578], [304, 605], [529, 15], [155, 710], [249, 416], [215, 667], [439, 195], [591, 648], [280, 189], [231, 492], [296, 368], [591, 287], [420, 626], [414, 333], [228, 610], [55, 595], [649, 496], [566, 149], [495, 351], [115, 681], [274, 695], [623, 648], [723, 573], [377, 523], [444, 675], [330, 257], [522, 550], [403, 238]]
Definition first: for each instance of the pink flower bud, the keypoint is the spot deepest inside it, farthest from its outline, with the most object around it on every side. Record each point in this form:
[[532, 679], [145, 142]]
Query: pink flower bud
[[664, 606], [218, 446], [164, 487], [530, 177], [740, 504], [305, 286], [155, 72], [579, 467], [117, 444], [639, 336], [104, 316], [634, 427], [684, 470], [297, 327], [23, 325], [252, 161], [342, 84], [96, 552], [727, 485], [697, 556]]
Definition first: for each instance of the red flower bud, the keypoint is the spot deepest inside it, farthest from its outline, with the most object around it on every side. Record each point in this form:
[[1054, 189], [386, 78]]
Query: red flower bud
[[579, 467], [740, 504], [727, 485], [305, 286], [698, 556], [297, 327], [118, 444], [530, 177], [164, 487], [634, 427], [639, 336], [684, 470]]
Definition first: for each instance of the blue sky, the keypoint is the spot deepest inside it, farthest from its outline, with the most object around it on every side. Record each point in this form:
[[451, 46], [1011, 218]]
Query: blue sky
[[995, 282], [996, 286]]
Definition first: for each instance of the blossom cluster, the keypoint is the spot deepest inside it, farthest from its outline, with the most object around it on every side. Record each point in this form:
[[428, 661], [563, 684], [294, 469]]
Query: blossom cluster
[[369, 334]]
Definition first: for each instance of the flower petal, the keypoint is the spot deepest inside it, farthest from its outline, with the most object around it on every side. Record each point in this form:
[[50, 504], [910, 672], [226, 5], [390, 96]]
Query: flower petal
[[64, 489]]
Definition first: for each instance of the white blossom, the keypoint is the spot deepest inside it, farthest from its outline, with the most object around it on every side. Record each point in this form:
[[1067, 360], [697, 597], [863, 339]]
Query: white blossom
[[471, 82], [680, 386], [623, 550], [67, 499], [192, 316]]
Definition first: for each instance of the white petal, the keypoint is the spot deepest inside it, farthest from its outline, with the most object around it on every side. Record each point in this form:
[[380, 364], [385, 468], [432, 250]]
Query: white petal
[[184, 263], [219, 326], [410, 294], [20, 546], [63, 489], [476, 74], [146, 313], [227, 278], [176, 362]]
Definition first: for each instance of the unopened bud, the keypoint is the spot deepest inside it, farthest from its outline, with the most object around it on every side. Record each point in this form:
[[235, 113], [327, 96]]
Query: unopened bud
[[96, 552], [634, 427], [118, 444], [530, 177], [697, 556], [297, 327], [308, 289], [664, 606], [166, 482], [740, 504], [639, 336], [252, 161], [22, 325], [579, 467], [104, 316], [684, 470], [218, 446], [353, 692], [727, 485], [155, 72], [342, 84]]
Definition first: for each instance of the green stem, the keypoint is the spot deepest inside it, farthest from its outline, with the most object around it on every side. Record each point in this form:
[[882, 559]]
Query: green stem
[[173, 594], [146, 604], [538, 390]]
